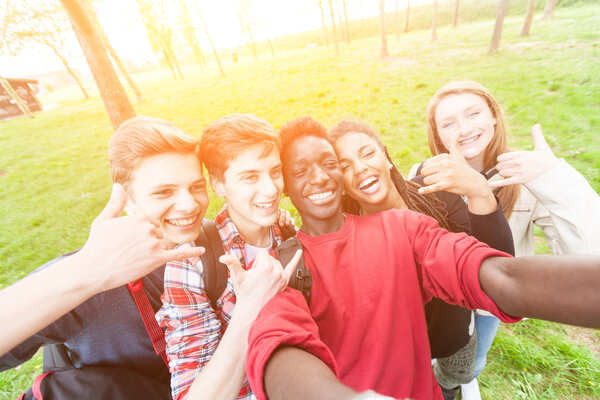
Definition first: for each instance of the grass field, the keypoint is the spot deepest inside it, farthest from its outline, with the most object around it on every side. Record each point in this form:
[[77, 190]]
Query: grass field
[[54, 172]]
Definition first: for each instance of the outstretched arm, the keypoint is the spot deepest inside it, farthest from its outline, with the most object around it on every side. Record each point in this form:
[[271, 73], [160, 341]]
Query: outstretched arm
[[556, 288], [118, 250]]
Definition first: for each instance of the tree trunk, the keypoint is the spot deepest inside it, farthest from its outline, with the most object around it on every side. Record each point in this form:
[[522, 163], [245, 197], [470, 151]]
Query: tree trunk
[[72, 73], [15, 96], [113, 95], [325, 41], [498, 26], [189, 34], [407, 14], [397, 20], [337, 47], [113, 54], [252, 45], [340, 22], [434, 22], [384, 46], [346, 25], [455, 19], [549, 9], [271, 46], [209, 40], [528, 18]]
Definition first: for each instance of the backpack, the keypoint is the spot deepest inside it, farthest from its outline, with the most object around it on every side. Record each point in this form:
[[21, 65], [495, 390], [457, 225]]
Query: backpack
[[61, 379]]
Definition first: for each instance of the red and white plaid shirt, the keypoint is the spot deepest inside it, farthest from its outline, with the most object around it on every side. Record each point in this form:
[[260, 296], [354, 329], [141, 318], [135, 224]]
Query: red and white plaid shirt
[[193, 328]]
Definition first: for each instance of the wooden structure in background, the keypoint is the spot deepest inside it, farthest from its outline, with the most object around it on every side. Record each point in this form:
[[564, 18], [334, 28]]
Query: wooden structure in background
[[17, 97]]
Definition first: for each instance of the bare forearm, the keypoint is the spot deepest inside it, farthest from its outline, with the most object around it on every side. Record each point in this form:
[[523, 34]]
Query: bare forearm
[[292, 374], [556, 288], [41, 298]]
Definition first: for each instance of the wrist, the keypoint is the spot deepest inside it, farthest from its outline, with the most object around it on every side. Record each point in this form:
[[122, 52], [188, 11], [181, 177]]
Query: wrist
[[482, 204]]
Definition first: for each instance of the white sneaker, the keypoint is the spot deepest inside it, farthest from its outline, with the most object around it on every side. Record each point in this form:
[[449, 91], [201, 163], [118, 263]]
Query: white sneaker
[[470, 391]]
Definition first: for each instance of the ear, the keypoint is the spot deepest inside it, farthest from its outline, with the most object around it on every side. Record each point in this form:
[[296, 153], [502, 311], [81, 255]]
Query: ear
[[218, 185], [494, 121]]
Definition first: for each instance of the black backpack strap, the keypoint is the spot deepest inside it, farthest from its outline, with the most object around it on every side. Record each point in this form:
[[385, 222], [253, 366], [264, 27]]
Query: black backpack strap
[[301, 278], [215, 272]]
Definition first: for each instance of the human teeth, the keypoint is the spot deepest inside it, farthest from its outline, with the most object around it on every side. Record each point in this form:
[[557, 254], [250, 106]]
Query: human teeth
[[264, 205], [320, 196], [183, 221], [470, 140], [367, 182]]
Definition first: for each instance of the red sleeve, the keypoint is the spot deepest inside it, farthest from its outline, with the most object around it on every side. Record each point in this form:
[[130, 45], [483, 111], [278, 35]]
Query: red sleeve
[[449, 264], [283, 321]]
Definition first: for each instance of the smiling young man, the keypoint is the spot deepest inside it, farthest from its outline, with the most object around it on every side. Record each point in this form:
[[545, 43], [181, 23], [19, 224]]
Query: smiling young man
[[364, 328], [206, 344], [159, 167]]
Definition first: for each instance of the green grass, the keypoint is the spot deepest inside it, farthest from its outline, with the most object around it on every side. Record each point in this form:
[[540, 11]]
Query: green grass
[[57, 180]]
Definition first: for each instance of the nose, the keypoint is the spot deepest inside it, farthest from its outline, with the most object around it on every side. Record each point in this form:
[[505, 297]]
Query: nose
[[465, 127], [359, 167], [318, 176], [185, 201], [268, 187]]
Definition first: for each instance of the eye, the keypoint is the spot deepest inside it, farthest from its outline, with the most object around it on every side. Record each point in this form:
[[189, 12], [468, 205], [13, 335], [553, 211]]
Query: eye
[[447, 124], [474, 114], [299, 172], [250, 178], [198, 187], [162, 193], [276, 173], [330, 163], [368, 154], [344, 167]]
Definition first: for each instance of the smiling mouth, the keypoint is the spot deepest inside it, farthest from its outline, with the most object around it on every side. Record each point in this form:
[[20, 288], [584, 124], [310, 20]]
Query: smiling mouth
[[182, 222], [368, 183], [321, 196], [264, 205], [469, 140]]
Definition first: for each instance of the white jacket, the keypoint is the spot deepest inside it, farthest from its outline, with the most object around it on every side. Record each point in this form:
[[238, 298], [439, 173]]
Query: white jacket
[[563, 204]]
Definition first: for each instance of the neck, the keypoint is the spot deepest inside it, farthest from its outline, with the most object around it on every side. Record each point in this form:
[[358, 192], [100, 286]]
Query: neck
[[259, 236], [476, 163], [317, 228], [392, 200]]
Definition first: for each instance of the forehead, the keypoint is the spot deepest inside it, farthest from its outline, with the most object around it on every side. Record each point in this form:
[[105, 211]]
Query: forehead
[[254, 158], [458, 103], [307, 149], [167, 169], [352, 142]]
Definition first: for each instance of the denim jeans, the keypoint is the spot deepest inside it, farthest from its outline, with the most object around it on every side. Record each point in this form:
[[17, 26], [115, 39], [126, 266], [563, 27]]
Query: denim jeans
[[486, 327]]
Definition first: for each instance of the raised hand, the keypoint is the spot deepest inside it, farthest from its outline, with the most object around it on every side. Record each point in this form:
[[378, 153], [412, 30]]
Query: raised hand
[[517, 167], [121, 249], [452, 173], [256, 286]]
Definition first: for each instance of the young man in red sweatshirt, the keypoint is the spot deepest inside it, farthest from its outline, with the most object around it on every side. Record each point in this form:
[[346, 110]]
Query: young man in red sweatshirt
[[364, 331]]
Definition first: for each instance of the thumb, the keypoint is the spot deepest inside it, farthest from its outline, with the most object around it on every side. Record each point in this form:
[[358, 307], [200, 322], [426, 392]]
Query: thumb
[[538, 138], [233, 265], [455, 145], [115, 204]]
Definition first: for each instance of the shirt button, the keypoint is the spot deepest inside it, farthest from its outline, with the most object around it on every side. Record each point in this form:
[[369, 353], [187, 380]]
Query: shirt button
[[237, 239], [243, 261]]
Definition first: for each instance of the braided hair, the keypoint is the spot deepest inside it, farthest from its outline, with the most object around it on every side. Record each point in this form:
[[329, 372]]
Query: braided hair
[[427, 204]]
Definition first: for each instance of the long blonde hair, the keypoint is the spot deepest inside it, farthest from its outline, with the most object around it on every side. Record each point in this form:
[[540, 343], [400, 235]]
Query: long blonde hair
[[508, 194]]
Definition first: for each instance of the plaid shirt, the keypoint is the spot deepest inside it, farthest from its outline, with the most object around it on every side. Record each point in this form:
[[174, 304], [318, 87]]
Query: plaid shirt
[[193, 328]]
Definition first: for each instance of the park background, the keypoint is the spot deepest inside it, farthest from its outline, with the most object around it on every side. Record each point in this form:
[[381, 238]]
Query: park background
[[54, 176]]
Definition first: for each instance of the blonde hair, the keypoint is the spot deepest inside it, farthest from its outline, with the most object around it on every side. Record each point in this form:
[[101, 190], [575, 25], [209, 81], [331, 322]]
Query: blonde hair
[[508, 195], [141, 137]]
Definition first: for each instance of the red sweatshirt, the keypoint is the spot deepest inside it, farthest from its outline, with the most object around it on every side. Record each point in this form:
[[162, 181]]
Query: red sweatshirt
[[366, 319]]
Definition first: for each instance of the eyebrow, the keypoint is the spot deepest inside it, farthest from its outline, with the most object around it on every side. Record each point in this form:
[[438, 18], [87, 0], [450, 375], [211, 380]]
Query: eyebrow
[[359, 150]]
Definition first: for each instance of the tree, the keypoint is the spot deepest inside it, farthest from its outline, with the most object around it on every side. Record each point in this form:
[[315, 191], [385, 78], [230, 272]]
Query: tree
[[397, 20], [346, 25], [160, 34], [325, 41], [337, 47], [528, 18], [189, 34], [43, 23], [434, 22], [113, 54], [384, 46], [455, 19], [209, 39], [407, 14], [549, 9], [246, 22], [113, 95], [500, 13]]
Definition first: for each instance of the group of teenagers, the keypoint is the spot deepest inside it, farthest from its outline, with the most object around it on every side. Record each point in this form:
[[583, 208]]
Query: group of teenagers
[[397, 266]]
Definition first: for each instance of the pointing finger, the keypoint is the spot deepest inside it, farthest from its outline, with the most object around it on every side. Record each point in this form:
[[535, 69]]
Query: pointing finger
[[503, 182]]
